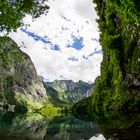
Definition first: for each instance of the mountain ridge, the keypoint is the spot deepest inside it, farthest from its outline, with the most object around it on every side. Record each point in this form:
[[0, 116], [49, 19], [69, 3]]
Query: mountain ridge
[[70, 91]]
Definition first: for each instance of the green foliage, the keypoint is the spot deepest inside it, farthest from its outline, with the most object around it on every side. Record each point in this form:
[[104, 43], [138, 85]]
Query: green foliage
[[51, 112], [119, 45], [82, 107], [119, 22], [135, 65], [13, 11]]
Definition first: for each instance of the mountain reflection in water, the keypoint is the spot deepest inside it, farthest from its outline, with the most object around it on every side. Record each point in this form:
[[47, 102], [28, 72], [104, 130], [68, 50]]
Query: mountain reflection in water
[[98, 127]]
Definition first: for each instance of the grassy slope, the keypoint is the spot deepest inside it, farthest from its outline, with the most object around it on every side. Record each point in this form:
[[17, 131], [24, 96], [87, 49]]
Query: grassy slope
[[53, 98]]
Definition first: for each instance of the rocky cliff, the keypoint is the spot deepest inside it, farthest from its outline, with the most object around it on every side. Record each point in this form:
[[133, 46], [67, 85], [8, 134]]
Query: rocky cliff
[[118, 87], [70, 91], [20, 86]]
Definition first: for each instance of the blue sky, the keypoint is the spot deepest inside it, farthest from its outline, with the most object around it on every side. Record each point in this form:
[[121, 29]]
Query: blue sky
[[65, 43], [77, 43]]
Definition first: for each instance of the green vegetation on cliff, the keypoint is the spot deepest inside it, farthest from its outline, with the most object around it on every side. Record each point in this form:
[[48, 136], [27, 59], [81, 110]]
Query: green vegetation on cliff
[[20, 86], [118, 86]]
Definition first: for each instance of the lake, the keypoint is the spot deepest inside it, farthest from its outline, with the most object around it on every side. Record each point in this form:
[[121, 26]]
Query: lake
[[33, 126]]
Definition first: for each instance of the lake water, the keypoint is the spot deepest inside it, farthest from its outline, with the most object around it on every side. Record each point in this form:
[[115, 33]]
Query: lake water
[[98, 127]]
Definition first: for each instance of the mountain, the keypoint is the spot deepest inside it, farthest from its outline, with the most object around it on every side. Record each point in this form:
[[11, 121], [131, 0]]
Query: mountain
[[21, 89], [118, 87], [69, 91], [53, 97], [20, 86]]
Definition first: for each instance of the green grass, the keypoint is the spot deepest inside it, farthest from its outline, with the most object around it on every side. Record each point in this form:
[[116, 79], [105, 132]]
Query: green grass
[[51, 112]]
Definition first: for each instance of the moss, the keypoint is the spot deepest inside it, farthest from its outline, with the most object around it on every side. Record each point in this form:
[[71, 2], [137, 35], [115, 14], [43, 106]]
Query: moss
[[135, 64]]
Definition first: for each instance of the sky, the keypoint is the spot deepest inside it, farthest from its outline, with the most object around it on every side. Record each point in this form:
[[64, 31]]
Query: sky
[[64, 44]]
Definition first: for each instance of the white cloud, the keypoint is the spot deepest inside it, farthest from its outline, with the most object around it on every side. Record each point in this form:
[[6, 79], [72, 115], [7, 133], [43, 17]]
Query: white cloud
[[66, 18]]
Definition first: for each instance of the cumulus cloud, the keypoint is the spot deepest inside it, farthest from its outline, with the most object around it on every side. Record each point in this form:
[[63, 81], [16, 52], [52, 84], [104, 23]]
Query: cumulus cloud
[[64, 44]]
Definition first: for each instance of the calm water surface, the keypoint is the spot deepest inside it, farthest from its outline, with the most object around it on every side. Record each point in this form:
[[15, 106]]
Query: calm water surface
[[98, 127]]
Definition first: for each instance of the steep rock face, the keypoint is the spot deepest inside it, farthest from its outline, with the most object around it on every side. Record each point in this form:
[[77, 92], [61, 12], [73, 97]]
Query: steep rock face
[[19, 83], [118, 87], [70, 91]]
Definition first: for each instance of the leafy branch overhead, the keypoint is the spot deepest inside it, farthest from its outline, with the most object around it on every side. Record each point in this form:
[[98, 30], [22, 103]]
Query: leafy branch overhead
[[13, 11]]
